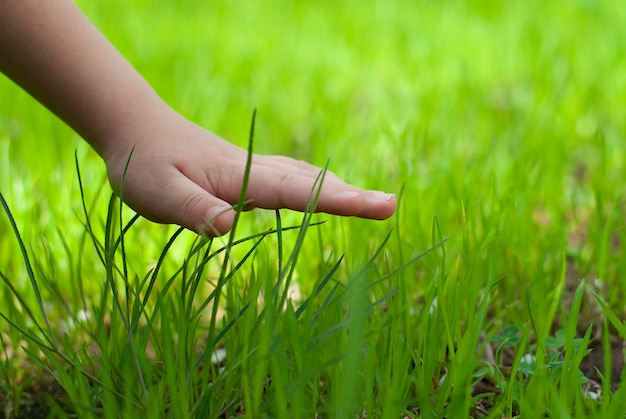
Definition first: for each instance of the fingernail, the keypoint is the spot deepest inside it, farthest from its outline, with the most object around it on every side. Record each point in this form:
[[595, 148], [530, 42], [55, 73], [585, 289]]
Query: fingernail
[[214, 212], [351, 194], [209, 218], [383, 196]]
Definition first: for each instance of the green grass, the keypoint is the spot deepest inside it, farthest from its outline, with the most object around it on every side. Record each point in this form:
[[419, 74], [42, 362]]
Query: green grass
[[500, 125]]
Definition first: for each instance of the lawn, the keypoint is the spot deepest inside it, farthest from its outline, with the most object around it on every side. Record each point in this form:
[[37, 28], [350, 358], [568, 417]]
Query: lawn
[[497, 289]]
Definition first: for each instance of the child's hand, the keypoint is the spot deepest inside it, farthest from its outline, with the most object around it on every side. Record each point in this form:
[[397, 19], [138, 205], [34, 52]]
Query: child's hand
[[180, 173]]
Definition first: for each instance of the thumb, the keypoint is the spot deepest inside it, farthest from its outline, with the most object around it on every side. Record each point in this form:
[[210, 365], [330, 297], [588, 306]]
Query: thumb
[[192, 207], [218, 217]]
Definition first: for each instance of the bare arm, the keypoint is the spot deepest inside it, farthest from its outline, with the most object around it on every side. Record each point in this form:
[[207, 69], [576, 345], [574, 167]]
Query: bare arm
[[179, 172]]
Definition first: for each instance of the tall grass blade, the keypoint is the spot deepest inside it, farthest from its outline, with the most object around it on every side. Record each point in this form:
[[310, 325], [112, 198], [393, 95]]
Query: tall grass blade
[[231, 237], [51, 337]]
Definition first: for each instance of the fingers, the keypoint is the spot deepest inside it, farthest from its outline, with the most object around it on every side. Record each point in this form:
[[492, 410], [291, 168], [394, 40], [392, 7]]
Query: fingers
[[181, 201], [203, 212], [286, 183], [291, 165], [198, 194], [274, 183]]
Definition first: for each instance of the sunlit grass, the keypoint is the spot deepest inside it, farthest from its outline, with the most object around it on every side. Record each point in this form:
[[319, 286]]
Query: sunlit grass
[[501, 125]]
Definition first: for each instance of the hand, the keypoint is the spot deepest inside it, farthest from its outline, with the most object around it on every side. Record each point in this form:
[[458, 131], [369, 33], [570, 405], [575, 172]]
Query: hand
[[180, 173]]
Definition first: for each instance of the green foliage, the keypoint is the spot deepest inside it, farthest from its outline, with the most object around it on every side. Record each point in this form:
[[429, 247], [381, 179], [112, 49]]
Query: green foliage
[[499, 124]]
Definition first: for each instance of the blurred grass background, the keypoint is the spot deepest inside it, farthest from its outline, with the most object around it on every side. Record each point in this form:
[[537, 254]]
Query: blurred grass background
[[514, 111], [503, 119]]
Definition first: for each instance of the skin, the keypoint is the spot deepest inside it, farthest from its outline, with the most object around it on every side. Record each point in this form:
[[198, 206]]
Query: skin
[[179, 172]]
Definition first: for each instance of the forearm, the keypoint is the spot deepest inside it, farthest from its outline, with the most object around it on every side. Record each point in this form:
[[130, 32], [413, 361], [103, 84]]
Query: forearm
[[53, 51]]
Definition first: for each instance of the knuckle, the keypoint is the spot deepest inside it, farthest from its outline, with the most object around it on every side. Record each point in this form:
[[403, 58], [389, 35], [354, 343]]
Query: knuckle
[[192, 205], [286, 179]]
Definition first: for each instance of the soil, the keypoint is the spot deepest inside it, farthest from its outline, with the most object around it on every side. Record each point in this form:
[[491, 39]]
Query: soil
[[34, 401], [589, 366]]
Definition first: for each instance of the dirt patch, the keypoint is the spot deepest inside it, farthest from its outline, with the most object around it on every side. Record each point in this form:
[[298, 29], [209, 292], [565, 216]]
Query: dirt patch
[[595, 361], [34, 401]]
